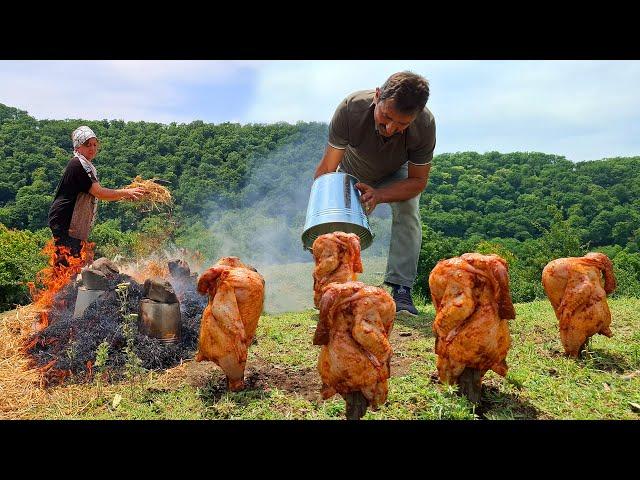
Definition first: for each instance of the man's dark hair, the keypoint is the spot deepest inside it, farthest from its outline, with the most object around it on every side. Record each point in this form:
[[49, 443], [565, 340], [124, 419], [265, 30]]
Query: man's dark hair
[[409, 91]]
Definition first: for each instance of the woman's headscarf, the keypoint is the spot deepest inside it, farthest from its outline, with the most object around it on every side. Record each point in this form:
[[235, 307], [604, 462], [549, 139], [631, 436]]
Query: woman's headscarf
[[81, 135]]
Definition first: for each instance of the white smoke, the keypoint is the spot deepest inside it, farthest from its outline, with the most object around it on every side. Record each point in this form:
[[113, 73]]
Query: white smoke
[[266, 232]]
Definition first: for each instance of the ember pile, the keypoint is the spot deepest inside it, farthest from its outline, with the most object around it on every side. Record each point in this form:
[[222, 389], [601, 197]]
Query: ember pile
[[67, 347]]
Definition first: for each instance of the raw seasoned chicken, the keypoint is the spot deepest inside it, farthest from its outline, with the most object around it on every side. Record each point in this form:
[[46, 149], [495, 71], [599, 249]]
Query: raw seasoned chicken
[[355, 323], [337, 257], [574, 287], [472, 301], [236, 297]]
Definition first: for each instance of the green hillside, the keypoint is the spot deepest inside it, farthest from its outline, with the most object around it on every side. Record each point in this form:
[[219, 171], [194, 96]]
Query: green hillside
[[243, 189]]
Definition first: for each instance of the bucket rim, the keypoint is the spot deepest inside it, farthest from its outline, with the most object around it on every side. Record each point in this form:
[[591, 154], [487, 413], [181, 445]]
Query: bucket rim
[[341, 173], [310, 234]]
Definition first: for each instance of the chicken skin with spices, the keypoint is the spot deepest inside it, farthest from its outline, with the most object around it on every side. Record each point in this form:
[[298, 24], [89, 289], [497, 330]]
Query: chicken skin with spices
[[236, 297], [337, 257], [354, 327], [473, 303], [575, 288]]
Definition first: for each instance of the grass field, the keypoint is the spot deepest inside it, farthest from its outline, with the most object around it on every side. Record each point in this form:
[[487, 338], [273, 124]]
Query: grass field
[[283, 383]]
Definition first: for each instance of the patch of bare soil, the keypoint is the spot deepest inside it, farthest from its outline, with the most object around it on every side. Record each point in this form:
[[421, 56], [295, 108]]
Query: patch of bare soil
[[258, 376], [305, 382], [400, 365], [196, 374]]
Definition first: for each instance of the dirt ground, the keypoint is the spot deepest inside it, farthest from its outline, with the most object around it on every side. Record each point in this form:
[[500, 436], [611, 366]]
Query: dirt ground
[[260, 375]]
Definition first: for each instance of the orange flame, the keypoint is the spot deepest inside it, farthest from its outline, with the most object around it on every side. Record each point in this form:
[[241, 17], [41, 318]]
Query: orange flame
[[61, 269]]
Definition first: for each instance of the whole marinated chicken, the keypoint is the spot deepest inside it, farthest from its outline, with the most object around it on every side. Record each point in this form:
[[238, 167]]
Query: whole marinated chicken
[[337, 257], [236, 297], [574, 287], [473, 303], [354, 326]]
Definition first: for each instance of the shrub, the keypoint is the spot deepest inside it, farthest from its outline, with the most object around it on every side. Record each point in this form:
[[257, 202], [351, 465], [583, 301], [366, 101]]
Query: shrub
[[626, 267], [110, 240], [20, 260]]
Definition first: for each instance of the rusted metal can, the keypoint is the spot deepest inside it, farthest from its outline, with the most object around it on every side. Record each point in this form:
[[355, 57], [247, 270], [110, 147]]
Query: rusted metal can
[[160, 320]]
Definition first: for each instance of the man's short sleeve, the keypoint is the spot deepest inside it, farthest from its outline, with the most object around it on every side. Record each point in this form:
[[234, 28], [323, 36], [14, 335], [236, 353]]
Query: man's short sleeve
[[339, 127], [423, 153]]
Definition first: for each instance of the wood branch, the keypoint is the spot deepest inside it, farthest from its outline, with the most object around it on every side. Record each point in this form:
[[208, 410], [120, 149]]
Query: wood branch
[[356, 405], [470, 384]]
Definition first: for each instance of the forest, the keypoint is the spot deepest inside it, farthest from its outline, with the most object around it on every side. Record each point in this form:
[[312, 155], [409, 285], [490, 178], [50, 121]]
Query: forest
[[243, 190]]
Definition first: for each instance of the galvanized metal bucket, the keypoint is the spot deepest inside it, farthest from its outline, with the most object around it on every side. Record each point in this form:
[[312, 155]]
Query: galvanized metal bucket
[[334, 205], [85, 298]]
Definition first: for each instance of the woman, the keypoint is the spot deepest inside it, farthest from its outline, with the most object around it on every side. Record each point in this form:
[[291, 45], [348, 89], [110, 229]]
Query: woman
[[73, 210]]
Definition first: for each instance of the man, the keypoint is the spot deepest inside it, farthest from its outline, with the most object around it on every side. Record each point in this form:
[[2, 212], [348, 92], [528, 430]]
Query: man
[[72, 213], [385, 138]]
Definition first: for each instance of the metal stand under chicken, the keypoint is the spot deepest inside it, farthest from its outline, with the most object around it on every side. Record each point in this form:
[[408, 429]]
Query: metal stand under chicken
[[236, 298], [473, 305], [337, 257], [354, 327], [579, 299]]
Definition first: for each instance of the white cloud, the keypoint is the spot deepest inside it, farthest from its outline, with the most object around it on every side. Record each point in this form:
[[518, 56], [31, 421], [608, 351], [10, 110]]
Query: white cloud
[[128, 90]]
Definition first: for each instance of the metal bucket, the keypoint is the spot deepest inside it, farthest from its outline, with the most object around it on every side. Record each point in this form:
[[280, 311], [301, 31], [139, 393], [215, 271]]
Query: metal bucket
[[334, 206], [160, 320], [85, 298]]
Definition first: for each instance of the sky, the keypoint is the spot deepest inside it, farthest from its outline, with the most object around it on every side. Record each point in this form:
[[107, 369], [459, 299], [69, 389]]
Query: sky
[[583, 110]]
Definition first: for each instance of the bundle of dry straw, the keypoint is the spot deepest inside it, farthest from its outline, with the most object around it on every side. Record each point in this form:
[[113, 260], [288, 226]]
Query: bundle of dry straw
[[19, 385], [155, 194]]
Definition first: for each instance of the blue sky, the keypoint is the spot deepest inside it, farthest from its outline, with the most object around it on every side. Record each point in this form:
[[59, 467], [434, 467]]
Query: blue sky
[[584, 110]]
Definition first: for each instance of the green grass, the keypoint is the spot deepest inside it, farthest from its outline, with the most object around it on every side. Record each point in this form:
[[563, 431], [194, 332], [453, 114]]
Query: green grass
[[283, 382]]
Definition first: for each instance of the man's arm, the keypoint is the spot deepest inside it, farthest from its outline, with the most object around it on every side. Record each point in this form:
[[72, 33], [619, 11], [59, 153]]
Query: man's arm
[[330, 161], [416, 182], [109, 194], [402, 190]]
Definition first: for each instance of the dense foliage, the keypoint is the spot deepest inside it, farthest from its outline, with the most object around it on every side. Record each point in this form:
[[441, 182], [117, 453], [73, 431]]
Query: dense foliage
[[243, 190], [20, 260]]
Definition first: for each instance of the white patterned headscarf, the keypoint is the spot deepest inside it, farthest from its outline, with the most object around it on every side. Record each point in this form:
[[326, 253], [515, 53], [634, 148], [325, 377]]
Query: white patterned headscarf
[[81, 135]]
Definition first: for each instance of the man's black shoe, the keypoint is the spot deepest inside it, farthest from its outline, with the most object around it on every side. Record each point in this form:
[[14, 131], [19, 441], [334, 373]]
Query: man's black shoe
[[402, 297]]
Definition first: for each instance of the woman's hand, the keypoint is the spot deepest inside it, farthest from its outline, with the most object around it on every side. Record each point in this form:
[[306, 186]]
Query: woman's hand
[[134, 193], [368, 197]]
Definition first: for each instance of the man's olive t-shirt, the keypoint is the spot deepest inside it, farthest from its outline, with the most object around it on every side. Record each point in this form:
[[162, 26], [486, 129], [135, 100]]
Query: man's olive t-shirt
[[367, 155]]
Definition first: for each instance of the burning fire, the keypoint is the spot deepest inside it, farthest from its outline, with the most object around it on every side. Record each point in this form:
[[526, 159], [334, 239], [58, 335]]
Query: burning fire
[[61, 269]]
